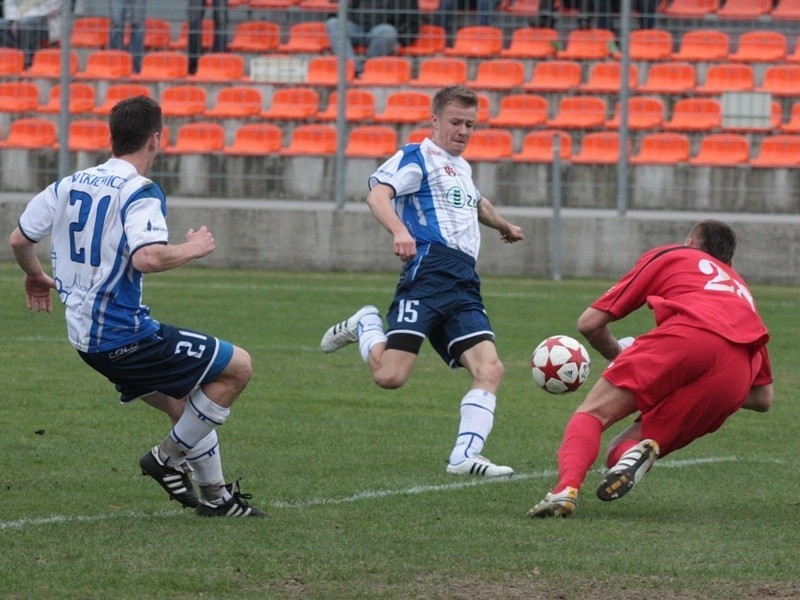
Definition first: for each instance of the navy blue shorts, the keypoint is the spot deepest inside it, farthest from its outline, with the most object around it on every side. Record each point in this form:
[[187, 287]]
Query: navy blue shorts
[[172, 361], [438, 297]]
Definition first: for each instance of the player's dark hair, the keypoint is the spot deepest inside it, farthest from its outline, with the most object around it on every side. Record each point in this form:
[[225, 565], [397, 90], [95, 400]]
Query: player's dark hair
[[454, 93], [132, 122], [716, 238]]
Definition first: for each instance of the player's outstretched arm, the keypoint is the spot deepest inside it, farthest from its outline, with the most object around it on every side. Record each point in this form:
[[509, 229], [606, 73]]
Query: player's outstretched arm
[[593, 325], [379, 201], [37, 283], [163, 257], [488, 215]]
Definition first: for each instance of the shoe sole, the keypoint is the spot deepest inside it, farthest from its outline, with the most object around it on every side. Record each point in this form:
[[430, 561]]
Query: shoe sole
[[616, 485]]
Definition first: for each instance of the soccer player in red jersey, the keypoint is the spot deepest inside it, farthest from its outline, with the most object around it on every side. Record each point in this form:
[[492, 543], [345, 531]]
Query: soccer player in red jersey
[[705, 359]]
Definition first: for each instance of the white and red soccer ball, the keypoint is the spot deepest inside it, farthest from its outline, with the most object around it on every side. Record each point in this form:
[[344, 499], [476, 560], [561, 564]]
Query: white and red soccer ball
[[560, 364]]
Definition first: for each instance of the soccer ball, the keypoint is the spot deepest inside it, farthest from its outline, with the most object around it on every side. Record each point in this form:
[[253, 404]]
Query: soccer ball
[[560, 364]]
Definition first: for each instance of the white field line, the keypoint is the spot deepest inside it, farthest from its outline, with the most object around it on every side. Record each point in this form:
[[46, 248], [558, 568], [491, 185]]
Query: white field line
[[19, 524]]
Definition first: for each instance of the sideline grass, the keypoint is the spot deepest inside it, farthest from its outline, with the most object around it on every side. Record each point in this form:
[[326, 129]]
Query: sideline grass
[[353, 476]]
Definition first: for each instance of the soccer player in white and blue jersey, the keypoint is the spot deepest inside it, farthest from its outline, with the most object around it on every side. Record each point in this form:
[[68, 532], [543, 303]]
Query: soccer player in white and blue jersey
[[425, 197], [108, 227]]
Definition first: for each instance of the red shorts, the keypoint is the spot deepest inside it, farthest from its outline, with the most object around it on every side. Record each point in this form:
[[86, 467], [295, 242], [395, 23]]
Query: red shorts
[[686, 382]]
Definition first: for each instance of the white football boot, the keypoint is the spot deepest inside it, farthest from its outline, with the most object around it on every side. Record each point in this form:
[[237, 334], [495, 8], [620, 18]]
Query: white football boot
[[346, 332]]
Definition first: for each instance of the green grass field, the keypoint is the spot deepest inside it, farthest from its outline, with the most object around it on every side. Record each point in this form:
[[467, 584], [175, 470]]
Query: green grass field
[[353, 476]]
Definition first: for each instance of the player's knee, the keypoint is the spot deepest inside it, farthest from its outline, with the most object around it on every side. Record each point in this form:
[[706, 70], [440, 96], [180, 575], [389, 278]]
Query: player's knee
[[389, 380], [491, 372], [240, 368]]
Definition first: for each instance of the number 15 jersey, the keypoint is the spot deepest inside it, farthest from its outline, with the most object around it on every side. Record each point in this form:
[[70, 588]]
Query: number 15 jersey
[[97, 219]]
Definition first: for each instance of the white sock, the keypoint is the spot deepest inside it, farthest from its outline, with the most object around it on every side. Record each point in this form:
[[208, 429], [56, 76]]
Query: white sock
[[477, 418], [206, 462], [370, 333], [199, 419]]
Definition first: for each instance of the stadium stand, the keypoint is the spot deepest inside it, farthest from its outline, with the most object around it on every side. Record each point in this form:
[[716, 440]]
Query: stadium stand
[[30, 133], [120, 91], [650, 44], [107, 65], [12, 62], [18, 96], [323, 71], [90, 32], [744, 9], [198, 137], [703, 45], [236, 102], [385, 71], [498, 74], [644, 112], [587, 44], [669, 78], [727, 77], [781, 80], [255, 37], [307, 37], [164, 65], [184, 101], [579, 112], [778, 151], [430, 41], [405, 107], [786, 9], [219, 67], [46, 64], [554, 76], [760, 46], [598, 147], [311, 139], [606, 77], [695, 114], [89, 135], [690, 8], [476, 41], [489, 145], [295, 103], [206, 36]]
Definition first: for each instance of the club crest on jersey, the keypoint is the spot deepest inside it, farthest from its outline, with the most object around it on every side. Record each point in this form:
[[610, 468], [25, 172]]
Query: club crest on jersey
[[450, 170]]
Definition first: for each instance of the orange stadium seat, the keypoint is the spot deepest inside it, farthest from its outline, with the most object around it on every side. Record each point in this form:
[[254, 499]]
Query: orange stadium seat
[[669, 78], [219, 67], [744, 9], [236, 102], [107, 64], [312, 139], [484, 108], [436, 69], [359, 106], [587, 44], [31, 134], [271, 4], [183, 101], [120, 91], [722, 150], [415, 136], [599, 147], [499, 74], [554, 76], [430, 40], [606, 77], [256, 139], [199, 137], [531, 42], [157, 34], [703, 45], [579, 112], [308, 37], [81, 99], [695, 114], [90, 32], [778, 151], [690, 8], [255, 37], [319, 5], [539, 147], [644, 112], [164, 65], [371, 141], [385, 70], [12, 61], [405, 107], [293, 104], [476, 41], [793, 124], [761, 46], [46, 64], [525, 8], [662, 149], [650, 44], [324, 71], [206, 36], [728, 77], [781, 80], [786, 9], [490, 144], [89, 135], [18, 96], [520, 110]]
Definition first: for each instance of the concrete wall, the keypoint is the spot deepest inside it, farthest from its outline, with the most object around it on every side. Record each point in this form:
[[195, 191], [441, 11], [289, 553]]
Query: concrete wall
[[595, 243]]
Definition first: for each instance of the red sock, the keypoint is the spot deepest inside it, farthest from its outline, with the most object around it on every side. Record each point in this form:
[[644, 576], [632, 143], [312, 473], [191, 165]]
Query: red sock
[[617, 451], [578, 450]]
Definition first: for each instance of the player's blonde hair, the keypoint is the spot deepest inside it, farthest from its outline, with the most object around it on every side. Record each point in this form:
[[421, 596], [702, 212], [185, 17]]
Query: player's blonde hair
[[454, 93]]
